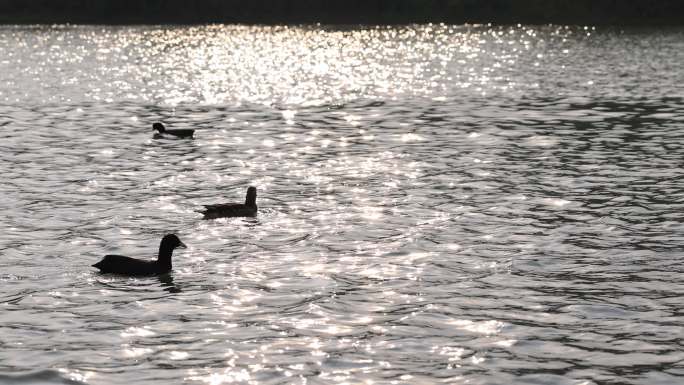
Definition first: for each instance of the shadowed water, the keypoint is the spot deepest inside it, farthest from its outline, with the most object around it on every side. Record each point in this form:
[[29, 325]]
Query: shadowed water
[[438, 204]]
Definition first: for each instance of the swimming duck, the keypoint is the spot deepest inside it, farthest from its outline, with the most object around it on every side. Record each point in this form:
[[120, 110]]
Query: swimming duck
[[118, 264], [180, 133], [231, 210]]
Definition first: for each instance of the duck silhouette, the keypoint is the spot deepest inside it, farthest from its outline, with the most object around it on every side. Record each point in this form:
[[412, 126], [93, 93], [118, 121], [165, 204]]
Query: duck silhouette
[[163, 132], [232, 210], [119, 264]]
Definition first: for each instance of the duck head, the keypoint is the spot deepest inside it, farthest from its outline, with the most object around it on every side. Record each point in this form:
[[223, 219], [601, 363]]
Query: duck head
[[168, 243], [171, 241], [159, 127], [251, 196]]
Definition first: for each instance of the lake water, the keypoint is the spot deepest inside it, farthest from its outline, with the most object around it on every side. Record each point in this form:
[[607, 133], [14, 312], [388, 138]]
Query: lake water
[[438, 204]]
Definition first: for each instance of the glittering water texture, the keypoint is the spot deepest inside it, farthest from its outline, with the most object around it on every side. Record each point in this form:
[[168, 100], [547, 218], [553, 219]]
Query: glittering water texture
[[462, 205]]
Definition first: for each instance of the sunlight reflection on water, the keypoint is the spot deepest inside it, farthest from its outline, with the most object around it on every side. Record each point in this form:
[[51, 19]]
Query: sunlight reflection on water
[[218, 64]]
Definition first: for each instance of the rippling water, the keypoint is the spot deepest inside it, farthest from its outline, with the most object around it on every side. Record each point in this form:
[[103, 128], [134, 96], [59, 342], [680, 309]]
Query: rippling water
[[463, 205]]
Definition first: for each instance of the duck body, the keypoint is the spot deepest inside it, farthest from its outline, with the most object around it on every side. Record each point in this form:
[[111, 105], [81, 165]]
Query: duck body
[[163, 132], [233, 210], [119, 264], [229, 210]]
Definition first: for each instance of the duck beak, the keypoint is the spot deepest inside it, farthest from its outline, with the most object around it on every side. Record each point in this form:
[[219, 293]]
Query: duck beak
[[182, 246]]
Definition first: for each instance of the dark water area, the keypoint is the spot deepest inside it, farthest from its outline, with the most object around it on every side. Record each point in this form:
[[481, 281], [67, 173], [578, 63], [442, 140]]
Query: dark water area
[[438, 204], [576, 12]]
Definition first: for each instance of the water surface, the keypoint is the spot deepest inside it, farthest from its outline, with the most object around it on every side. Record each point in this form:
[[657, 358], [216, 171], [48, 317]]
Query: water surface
[[438, 204]]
